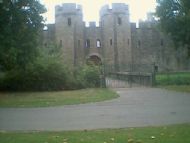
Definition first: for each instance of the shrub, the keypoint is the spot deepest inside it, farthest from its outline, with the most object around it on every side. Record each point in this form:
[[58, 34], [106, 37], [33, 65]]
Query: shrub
[[47, 72], [88, 76], [41, 75], [177, 78]]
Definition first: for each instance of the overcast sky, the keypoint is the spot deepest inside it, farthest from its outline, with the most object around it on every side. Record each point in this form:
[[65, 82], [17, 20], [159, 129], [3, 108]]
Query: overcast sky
[[138, 8]]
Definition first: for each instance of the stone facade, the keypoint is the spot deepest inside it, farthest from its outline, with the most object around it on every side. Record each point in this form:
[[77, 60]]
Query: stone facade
[[116, 43]]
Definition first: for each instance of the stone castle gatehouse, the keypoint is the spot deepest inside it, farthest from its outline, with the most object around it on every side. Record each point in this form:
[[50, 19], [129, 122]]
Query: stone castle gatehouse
[[116, 42]]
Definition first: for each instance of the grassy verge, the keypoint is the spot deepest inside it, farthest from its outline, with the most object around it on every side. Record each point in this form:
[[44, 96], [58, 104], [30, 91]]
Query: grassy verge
[[165, 134], [179, 88], [177, 81], [45, 99], [177, 78]]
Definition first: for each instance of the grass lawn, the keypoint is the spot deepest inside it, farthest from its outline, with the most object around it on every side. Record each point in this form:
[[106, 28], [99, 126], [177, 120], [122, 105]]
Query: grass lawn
[[44, 99], [180, 88], [177, 81], [164, 134], [176, 78]]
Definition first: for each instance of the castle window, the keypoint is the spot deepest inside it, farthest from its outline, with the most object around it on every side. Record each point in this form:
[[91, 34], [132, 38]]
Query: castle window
[[111, 42], [69, 21], [98, 43], [87, 44], [156, 68], [128, 41], [139, 43], [162, 42], [119, 21]]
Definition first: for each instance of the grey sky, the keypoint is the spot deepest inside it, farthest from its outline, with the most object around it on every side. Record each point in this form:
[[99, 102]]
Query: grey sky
[[138, 8]]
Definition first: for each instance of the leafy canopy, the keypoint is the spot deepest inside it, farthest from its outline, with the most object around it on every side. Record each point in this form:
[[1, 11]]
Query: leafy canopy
[[20, 25], [174, 18]]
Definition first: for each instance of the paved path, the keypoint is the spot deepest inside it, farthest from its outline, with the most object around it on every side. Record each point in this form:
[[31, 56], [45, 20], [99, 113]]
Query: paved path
[[135, 107]]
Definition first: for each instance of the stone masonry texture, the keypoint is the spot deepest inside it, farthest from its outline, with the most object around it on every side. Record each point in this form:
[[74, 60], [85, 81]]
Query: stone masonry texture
[[116, 42]]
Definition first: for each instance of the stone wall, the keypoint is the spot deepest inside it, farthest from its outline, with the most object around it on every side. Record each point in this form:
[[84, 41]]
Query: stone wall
[[116, 35], [93, 34], [69, 32], [117, 42], [151, 46], [48, 35]]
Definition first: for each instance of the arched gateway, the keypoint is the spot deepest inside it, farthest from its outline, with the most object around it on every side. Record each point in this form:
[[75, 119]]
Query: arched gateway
[[94, 59]]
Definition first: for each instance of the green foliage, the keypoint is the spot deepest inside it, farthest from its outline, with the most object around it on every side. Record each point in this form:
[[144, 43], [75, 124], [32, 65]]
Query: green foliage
[[48, 72], [162, 134], [173, 79], [88, 76], [28, 67], [55, 98], [41, 75], [20, 25], [174, 18]]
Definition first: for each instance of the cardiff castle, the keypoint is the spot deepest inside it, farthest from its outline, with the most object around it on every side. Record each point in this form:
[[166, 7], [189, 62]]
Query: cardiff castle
[[115, 43]]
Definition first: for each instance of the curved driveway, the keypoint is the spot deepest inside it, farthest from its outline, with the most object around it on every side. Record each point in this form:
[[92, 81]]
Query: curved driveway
[[135, 107]]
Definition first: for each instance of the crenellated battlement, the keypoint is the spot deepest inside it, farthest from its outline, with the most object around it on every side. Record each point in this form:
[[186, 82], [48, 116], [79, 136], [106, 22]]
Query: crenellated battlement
[[115, 42], [116, 8], [92, 24], [147, 24], [68, 8]]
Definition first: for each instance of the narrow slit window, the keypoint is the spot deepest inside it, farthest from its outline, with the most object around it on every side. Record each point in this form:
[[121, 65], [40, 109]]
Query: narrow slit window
[[87, 43], [98, 43], [69, 21], [78, 43], [119, 21], [128, 42], [139, 43], [111, 42]]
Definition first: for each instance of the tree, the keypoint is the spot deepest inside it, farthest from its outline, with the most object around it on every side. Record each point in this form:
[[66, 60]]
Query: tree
[[20, 25], [174, 16]]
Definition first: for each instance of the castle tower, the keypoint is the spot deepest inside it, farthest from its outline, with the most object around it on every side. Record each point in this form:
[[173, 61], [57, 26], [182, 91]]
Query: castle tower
[[93, 46], [116, 36], [69, 28]]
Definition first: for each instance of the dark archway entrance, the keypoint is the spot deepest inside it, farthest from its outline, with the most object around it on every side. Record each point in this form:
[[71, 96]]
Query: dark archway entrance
[[94, 59]]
